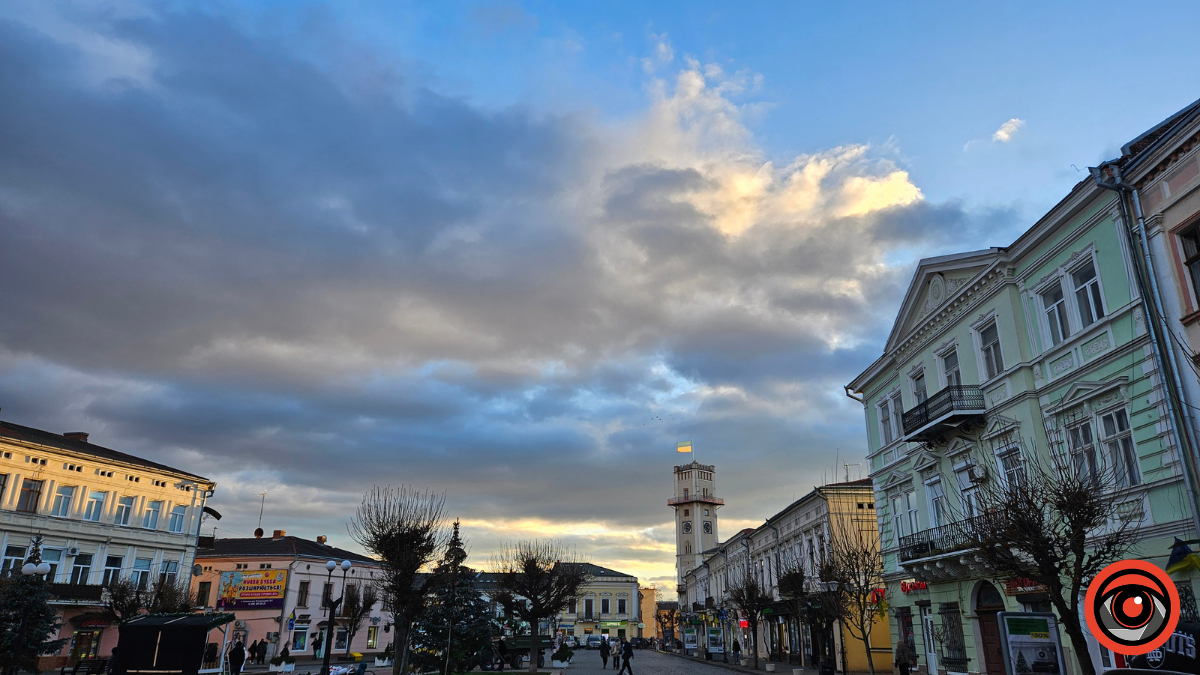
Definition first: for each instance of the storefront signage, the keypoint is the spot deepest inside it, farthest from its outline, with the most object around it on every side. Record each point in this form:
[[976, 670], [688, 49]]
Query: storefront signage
[[262, 589], [1178, 653], [912, 585], [1031, 643], [1022, 586]]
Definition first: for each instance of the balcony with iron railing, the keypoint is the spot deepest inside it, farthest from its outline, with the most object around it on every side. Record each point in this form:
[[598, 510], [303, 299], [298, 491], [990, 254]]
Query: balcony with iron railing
[[949, 407], [705, 499], [949, 538], [87, 593]]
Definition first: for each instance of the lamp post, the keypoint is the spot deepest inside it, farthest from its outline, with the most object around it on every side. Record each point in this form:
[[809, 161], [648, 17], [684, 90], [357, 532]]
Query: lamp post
[[333, 604], [29, 569]]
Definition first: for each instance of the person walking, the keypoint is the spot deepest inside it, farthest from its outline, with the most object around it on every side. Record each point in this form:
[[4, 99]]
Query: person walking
[[604, 651], [626, 657], [252, 652], [737, 650], [237, 656], [503, 649]]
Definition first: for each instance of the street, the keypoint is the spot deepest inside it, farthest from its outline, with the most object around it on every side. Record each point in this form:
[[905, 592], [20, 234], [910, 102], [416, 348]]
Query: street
[[645, 662]]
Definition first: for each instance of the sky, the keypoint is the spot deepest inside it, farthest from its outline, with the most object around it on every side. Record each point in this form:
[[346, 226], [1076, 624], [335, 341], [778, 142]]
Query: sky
[[513, 251]]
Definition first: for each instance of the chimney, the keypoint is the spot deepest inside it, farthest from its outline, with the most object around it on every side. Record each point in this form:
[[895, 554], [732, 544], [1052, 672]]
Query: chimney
[[278, 534], [76, 436], [321, 539]]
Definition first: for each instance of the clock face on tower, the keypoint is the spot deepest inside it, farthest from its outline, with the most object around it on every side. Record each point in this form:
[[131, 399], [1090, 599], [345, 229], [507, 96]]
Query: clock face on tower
[[687, 527], [707, 527]]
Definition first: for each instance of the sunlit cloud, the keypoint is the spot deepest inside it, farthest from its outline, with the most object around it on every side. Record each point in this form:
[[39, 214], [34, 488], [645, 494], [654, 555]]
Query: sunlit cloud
[[1007, 130]]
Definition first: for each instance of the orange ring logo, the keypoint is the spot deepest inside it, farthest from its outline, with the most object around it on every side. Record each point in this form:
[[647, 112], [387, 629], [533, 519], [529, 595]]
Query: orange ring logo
[[1132, 607]]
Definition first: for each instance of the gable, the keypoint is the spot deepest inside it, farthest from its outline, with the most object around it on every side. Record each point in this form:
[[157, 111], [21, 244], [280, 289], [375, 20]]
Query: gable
[[936, 281]]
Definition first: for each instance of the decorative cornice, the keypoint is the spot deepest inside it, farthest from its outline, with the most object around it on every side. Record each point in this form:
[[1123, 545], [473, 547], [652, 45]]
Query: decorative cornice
[[967, 297]]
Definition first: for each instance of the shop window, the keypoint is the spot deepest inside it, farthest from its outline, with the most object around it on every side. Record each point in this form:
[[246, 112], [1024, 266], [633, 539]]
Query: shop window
[[372, 637], [300, 639]]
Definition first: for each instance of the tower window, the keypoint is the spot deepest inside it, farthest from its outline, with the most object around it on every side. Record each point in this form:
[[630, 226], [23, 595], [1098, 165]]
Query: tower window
[[687, 512]]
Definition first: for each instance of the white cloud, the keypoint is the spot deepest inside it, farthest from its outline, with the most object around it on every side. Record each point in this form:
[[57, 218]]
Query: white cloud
[[1007, 130]]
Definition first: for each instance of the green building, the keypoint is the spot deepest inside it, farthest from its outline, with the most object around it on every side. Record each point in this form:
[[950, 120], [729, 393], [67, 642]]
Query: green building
[[1038, 347]]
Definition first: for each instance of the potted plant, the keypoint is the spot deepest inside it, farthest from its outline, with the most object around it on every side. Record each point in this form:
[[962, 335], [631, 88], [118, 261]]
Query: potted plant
[[562, 657], [384, 658], [283, 664]]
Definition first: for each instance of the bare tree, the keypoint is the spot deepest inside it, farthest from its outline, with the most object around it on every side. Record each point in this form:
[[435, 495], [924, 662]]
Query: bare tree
[[855, 567], [406, 530], [667, 618], [751, 598], [537, 579], [1057, 519], [123, 599], [357, 607], [811, 601], [166, 597]]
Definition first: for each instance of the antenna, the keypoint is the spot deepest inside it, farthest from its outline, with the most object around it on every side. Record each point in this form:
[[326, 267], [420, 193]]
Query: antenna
[[261, 506], [858, 464]]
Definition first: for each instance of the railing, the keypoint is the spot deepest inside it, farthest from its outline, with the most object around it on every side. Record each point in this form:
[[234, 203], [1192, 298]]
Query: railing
[[707, 499], [947, 538], [588, 617], [86, 592], [946, 401]]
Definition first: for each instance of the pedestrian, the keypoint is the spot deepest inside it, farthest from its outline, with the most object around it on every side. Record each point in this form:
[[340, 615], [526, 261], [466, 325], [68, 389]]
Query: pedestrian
[[237, 656], [904, 657], [262, 652], [252, 652], [737, 650], [604, 651], [626, 657], [317, 643], [503, 649]]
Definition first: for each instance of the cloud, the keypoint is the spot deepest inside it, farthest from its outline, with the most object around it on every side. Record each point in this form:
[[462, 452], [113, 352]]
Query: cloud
[[1007, 130], [239, 259]]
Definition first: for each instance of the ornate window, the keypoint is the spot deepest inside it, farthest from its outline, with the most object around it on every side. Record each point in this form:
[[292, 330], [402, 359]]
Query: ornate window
[[1118, 447], [918, 387], [1191, 255], [950, 367], [1054, 304], [1083, 450], [1087, 294], [1012, 466], [989, 343]]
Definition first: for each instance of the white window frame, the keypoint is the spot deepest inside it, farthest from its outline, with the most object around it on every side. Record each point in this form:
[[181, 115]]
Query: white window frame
[[1004, 451], [93, 515], [124, 511], [895, 405], [1132, 474], [937, 508], [1099, 290], [1082, 447], [943, 372], [61, 507], [1062, 309], [990, 319], [178, 515], [968, 490], [898, 516], [920, 398], [151, 515]]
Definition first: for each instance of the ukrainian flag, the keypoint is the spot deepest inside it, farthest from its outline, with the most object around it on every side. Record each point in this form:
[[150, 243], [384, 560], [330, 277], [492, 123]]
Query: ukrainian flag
[[1182, 558], [683, 446]]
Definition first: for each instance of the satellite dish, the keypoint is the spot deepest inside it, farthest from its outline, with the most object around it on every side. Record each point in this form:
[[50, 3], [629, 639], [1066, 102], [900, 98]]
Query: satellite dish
[[197, 569]]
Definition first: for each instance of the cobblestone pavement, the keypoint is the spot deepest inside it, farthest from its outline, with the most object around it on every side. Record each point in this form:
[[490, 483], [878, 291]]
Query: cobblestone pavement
[[645, 662]]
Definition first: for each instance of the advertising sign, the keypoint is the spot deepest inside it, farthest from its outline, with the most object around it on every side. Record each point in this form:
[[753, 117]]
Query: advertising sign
[[260, 589], [689, 637], [716, 640], [1031, 643], [1178, 653], [1022, 586]]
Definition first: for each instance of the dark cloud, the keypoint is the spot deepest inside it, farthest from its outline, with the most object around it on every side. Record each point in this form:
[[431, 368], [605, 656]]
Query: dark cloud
[[241, 260]]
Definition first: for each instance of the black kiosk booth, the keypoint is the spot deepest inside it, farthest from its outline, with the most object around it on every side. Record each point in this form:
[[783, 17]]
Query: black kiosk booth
[[171, 644]]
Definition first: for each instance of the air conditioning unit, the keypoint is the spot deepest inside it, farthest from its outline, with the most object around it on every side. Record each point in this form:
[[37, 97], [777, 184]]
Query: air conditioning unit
[[978, 473], [239, 624], [73, 551]]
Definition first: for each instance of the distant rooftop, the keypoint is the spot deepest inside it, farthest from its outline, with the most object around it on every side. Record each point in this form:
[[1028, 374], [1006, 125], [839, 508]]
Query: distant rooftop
[[283, 547]]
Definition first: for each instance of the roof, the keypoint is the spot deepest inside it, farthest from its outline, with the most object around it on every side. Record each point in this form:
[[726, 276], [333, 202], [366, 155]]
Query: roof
[[1159, 130], [283, 547], [598, 572], [16, 432], [203, 620]]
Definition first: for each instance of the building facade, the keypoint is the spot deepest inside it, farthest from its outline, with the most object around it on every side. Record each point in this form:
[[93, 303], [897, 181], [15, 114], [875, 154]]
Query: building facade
[[279, 589], [999, 358], [648, 603], [796, 538], [609, 604], [101, 515]]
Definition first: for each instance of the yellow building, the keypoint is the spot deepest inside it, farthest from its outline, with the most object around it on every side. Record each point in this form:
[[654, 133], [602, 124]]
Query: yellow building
[[100, 515], [607, 605], [649, 598]]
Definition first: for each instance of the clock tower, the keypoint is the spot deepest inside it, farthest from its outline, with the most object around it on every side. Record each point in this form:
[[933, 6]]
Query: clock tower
[[695, 503]]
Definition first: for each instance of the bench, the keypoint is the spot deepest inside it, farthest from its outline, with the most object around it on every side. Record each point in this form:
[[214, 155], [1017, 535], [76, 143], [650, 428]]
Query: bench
[[86, 667]]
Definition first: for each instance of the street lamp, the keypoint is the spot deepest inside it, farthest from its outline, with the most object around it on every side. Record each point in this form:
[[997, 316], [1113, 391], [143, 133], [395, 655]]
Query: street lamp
[[332, 606]]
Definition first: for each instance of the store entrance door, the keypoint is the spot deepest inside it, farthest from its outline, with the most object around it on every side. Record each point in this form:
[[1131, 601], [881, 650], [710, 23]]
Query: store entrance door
[[84, 644], [927, 639], [990, 602]]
